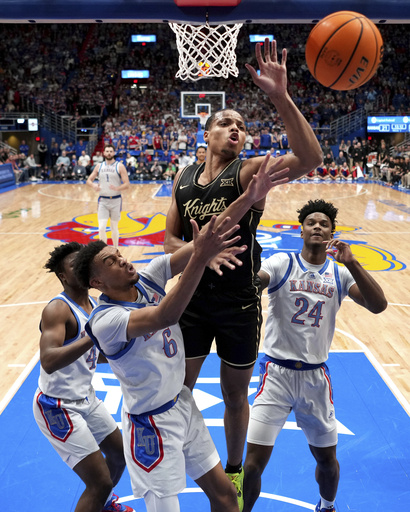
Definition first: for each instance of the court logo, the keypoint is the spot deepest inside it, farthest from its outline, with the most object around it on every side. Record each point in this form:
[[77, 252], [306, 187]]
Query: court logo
[[273, 236]]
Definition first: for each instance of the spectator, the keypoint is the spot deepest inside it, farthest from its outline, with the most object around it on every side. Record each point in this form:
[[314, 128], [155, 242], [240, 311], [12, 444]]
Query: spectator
[[24, 148], [42, 149], [170, 171], [156, 171], [341, 159], [63, 166], [131, 164], [34, 169]]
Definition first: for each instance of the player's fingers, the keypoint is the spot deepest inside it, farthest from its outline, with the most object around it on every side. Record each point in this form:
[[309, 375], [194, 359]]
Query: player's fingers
[[273, 54], [284, 56], [278, 175], [195, 229], [252, 71], [268, 52], [231, 241]]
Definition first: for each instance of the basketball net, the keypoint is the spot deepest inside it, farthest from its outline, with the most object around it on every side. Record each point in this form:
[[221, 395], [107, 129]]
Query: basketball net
[[206, 51], [203, 118]]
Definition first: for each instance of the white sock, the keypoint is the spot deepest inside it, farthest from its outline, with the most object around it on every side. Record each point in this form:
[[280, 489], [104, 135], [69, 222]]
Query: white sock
[[326, 504], [109, 499]]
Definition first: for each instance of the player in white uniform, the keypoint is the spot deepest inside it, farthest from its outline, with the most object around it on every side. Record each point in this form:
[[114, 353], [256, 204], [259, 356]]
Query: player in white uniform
[[112, 180], [305, 292], [135, 326], [65, 407]]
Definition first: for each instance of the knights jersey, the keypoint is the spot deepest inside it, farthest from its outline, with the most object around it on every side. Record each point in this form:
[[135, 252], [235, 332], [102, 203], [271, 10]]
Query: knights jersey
[[303, 302], [72, 382], [109, 175], [200, 202], [151, 367]]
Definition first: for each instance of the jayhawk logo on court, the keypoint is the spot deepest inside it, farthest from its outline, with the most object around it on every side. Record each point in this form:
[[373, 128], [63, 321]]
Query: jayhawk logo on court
[[273, 236]]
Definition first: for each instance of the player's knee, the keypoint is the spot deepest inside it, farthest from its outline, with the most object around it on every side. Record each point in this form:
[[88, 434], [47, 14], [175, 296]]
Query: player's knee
[[236, 399], [253, 468]]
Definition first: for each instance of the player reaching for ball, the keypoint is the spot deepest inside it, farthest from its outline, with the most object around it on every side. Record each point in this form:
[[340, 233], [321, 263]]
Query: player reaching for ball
[[227, 307], [305, 292]]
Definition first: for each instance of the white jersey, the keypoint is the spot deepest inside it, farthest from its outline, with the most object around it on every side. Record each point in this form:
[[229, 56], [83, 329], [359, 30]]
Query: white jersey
[[150, 368], [74, 381], [303, 302], [109, 175]]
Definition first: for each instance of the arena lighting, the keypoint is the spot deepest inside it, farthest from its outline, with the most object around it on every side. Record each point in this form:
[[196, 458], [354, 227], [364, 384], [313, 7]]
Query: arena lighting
[[143, 38], [260, 38], [134, 73]]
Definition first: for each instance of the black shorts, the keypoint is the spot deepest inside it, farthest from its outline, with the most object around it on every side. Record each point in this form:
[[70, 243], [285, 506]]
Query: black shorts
[[232, 317]]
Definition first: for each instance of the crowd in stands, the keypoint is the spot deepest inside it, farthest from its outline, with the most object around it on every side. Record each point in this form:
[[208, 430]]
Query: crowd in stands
[[75, 69]]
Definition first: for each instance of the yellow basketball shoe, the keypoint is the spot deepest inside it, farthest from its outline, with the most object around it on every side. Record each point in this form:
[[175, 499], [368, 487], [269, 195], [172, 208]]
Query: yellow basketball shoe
[[237, 480]]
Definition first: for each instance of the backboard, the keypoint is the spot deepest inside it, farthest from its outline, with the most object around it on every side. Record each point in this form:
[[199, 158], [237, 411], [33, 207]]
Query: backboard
[[197, 103], [154, 11]]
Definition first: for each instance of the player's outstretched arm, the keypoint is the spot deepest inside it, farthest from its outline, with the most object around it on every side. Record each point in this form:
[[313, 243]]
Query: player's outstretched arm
[[205, 245], [306, 153]]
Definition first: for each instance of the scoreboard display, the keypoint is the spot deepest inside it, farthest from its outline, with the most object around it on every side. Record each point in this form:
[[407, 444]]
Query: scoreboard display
[[388, 124]]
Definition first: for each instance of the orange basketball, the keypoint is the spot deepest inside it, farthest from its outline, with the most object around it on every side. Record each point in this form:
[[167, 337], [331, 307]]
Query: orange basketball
[[344, 50]]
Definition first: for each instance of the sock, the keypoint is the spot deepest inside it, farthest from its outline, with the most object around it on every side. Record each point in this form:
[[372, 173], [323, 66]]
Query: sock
[[326, 504], [233, 469], [109, 499]]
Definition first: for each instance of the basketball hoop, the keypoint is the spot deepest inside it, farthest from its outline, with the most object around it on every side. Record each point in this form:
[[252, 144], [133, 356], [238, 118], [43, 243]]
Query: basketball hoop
[[203, 118], [206, 51]]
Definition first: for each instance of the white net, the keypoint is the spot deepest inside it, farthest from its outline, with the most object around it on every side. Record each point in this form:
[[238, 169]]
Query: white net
[[206, 51]]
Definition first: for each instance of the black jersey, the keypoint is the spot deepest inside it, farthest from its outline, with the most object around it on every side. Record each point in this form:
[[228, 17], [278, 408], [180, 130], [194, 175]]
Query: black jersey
[[200, 202]]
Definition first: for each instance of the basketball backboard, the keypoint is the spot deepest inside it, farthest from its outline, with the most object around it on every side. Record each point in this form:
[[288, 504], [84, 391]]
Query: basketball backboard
[[193, 103], [154, 11]]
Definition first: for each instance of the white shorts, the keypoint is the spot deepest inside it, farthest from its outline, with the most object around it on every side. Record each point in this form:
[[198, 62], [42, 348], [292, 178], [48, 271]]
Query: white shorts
[[161, 449], [75, 428], [308, 393], [109, 208]]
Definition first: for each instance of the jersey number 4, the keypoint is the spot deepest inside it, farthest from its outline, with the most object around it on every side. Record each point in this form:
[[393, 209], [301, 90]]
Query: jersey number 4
[[315, 312]]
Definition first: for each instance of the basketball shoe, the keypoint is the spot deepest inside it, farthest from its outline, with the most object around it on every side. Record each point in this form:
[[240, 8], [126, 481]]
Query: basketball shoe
[[237, 480], [114, 506], [318, 509]]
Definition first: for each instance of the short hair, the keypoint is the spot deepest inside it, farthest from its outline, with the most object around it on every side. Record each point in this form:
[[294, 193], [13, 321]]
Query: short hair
[[318, 205], [109, 146], [57, 256], [211, 118], [84, 259]]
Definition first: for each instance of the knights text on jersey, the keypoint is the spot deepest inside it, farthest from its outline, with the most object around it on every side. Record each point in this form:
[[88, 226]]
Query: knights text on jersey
[[201, 202], [303, 302]]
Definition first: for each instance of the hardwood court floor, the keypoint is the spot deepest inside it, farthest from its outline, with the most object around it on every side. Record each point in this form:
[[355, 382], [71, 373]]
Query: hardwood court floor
[[381, 241]]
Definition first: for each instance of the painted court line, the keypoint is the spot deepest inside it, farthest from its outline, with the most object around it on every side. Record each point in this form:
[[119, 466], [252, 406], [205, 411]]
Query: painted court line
[[379, 368], [19, 381]]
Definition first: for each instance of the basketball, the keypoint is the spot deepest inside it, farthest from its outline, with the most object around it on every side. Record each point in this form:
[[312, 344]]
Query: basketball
[[344, 50]]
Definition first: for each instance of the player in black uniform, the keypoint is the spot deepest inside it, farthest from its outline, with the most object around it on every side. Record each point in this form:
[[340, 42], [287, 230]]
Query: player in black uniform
[[227, 307]]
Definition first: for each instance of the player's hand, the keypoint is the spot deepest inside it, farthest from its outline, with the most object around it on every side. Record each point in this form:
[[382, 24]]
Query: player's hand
[[340, 251], [269, 175], [273, 77], [227, 258], [210, 241]]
